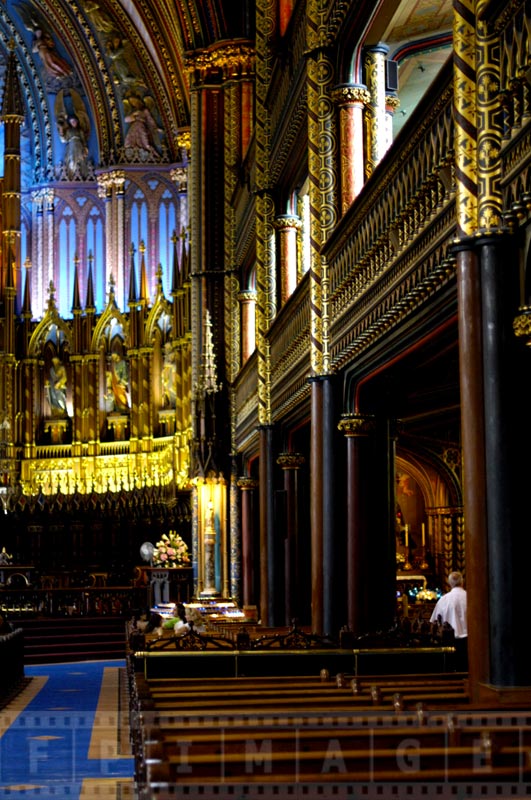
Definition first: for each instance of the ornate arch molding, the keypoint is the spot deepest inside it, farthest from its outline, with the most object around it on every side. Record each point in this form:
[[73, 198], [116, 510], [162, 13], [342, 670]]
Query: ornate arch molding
[[51, 319], [38, 123], [204, 22], [86, 49], [437, 480], [69, 25], [111, 313], [346, 20], [156, 47], [168, 46], [96, 81]]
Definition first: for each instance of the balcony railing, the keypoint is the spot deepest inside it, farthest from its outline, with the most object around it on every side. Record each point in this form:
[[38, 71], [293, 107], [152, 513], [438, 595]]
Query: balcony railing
[[389, 254]]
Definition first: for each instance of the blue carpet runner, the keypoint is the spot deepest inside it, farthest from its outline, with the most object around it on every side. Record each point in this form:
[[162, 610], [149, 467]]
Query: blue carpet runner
[[61, 737]]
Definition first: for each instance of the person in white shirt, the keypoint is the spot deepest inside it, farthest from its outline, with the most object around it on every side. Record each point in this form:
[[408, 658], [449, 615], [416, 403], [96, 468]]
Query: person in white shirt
[[451, 608]]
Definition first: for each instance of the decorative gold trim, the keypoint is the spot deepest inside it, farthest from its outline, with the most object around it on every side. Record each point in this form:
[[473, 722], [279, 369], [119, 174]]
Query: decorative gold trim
[[465, 117], [357, 424], [287, 222], [247, 484], [392, 102], [522, 324], [233, 59], [290, 460], [351, 94]]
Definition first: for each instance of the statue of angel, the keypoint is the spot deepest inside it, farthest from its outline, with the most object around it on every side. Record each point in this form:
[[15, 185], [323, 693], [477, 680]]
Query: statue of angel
[[73, 126], [121, 60], [99, 19], [43, 43], [143, 133]]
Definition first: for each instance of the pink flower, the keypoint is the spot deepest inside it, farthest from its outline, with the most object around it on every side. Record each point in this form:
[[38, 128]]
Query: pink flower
[[171, 551]]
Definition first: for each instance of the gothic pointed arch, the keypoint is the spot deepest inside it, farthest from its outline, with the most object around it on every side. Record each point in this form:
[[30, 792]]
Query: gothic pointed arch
[[111, 323], [50, 321]]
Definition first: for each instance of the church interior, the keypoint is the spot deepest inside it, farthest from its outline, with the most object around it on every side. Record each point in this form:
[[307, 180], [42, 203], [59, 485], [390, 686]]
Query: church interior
[[264, 283]]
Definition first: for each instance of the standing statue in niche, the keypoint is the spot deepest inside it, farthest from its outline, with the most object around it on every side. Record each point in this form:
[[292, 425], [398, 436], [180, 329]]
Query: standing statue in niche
[[169, 374], [57, 388], [73, 126], [108, 397], [119, 382]]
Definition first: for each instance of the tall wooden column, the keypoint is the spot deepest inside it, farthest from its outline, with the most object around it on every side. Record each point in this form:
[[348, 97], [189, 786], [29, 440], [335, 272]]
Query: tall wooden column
[[291, 464], [266, 288], [470, 341], [267, 528], [371, 548], [12, 116], [474, 487], [324, 214], [333, 594], [504, 523], [248, 487], [357, 428], [316, 504]]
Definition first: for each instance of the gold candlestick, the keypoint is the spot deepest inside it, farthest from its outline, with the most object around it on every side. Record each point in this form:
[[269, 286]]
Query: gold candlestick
[[424, 564], [407, 565]]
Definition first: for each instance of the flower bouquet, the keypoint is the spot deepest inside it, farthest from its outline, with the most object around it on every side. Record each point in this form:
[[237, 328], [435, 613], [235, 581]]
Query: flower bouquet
[[171, 551]]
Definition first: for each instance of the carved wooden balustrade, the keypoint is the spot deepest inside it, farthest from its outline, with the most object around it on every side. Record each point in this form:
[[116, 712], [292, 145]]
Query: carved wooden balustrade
[[389, 255]]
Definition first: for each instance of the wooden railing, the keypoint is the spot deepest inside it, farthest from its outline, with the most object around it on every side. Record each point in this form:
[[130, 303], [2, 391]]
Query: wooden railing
[[120, 601], [390, 252], [11, 663], [387, 258]]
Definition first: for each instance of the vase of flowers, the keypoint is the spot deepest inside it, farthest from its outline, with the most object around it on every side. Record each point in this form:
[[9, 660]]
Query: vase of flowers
[[171, 551]]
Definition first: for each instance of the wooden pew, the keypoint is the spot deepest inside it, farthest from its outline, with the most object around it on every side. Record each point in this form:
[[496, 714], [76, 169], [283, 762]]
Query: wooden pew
[[335, 760], [321, 683], [270, 696], [320, 731], [168, 743]]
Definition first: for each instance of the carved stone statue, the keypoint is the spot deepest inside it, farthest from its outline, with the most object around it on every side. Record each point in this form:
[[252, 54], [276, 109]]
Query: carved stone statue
[[73, 126], [57, 388]]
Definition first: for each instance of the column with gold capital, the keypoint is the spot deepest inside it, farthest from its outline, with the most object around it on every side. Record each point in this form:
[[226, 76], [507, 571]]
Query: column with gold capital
[[357, 429], [351, 101], [287, 226], [374, 63], [324, 214], [248, 487], [247, 300], [471, 356], [291, 464]]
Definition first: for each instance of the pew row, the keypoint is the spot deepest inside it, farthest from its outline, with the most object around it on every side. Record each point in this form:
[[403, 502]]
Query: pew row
[[323, 733]]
